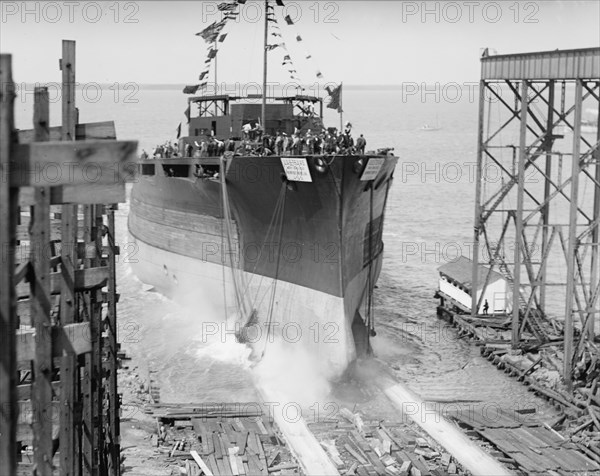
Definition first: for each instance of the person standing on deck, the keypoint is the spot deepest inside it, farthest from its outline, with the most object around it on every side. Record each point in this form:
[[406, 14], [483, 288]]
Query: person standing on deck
[[361, 143], [486, 307], [279, 143]]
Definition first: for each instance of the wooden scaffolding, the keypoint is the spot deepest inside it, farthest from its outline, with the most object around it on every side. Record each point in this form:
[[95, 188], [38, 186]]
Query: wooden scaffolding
[[59, 187], [537, 208]]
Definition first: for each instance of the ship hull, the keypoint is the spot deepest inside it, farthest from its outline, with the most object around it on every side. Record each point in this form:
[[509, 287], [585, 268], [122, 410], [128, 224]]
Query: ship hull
[[304, 255]]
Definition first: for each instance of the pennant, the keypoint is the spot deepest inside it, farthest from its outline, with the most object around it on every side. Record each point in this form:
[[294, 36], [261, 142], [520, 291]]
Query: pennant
[[319, 74], [191, 89], [187, 113], [227, 7], [211, 32], [309, 56], [298, 38], [275, 33], [279, 3], [222, 38], [335, 101], [202, 75], [288, 20], [179, 130], [272, 47]]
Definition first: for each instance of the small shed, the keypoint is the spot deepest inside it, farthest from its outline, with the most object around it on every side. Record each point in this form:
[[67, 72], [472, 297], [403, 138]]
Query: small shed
[[455, 286]]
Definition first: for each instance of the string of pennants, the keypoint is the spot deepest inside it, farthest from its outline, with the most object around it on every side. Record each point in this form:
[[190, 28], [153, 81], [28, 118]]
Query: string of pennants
[[213, 34]]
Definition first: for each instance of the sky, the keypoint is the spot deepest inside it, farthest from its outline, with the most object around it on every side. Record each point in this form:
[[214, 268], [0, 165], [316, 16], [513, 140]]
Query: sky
[[357, 42]]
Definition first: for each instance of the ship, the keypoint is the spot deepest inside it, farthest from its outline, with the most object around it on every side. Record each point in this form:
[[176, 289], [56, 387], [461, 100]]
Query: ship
[[268, 223]]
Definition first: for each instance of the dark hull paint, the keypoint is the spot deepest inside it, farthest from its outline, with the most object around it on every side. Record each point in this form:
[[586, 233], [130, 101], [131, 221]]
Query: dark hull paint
[[325, 235]]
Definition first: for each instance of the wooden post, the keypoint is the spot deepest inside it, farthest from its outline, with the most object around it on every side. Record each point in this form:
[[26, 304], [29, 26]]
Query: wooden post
[[572, 245], [594, 308], [546, 209], [477, 220], [70, 425], [519, 215], [113, 396], [41, 388], [8, 214]]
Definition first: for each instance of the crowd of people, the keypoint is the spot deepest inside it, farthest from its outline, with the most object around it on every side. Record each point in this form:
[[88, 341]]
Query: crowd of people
[[254, 142]]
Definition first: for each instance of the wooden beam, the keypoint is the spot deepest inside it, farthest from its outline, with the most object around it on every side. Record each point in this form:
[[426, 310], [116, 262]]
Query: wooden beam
[[72, 338], [41, 394], [8, 215], [91, 131], [79, 163], [70, 425], [82, 194], [84, 280], [24, 390], [515, 334], [113, 342], [572, 245], [55, 232]]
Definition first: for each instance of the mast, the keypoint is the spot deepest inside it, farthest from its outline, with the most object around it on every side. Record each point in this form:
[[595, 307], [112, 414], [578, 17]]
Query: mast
[[264, 88]]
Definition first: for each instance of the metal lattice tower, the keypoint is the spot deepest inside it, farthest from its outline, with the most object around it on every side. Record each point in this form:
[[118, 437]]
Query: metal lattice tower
[[538, 191]]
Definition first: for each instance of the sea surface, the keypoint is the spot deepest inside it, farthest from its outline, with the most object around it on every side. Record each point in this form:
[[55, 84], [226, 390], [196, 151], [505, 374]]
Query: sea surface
[[429, 221]]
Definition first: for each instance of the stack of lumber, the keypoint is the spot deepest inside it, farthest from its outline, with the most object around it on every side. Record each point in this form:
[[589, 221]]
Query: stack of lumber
[[527, 444], [231, 439], [372, 448]]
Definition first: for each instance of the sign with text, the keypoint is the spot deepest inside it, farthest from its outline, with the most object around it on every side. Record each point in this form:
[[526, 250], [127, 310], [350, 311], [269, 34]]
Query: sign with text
[[296, 169], [372, 169]]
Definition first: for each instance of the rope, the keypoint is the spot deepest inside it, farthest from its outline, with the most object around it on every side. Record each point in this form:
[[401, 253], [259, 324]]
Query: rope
[[227, 216], [268, 234], [271, 304]]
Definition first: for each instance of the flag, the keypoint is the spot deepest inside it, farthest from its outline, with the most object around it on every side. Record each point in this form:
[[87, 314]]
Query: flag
[[273, 19], [288, 20], [241, 2], [222, 38], [212, 53], [279, 3], [286, 58], [202, 75], [335, 101], [298, 38], [319, 74], [309, 56], [275, 33], [179, 130], [272, 47], [211, 32], [187, 114], [191, 89], [227, 7]]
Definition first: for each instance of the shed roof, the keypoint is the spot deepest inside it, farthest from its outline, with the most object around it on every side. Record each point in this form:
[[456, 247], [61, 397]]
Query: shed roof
[[461, 271]]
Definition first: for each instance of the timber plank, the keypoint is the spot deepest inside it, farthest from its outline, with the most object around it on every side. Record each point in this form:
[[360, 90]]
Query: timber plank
[[91, 131], [85, 280], [41, 389], [90, 193], [80, 163], [8, 212], [71, 337]]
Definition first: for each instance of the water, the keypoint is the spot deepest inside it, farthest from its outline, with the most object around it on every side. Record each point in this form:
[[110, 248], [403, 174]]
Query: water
[[429, 221]]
